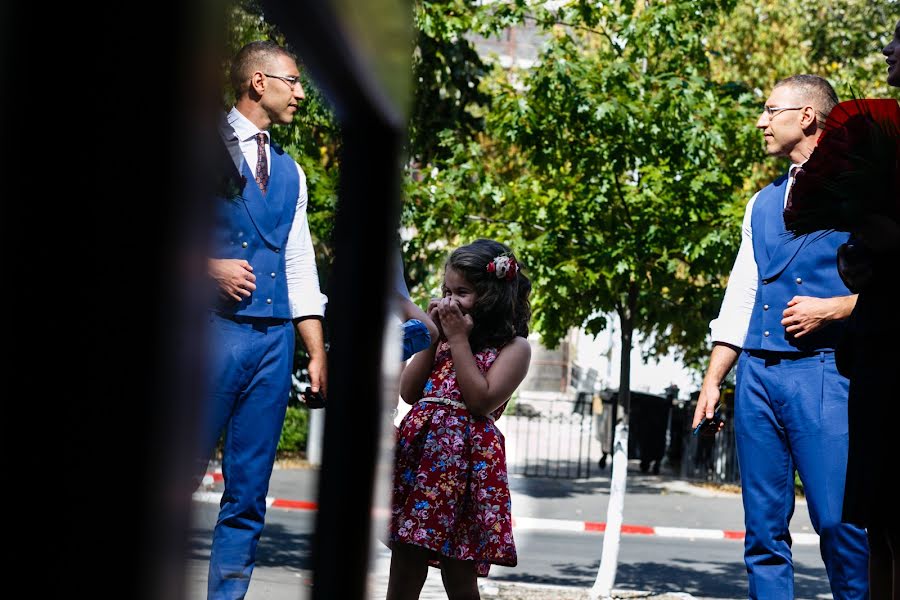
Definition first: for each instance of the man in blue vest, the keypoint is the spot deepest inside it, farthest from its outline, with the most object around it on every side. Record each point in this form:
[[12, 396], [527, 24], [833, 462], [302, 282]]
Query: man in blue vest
[[264, 266], [780, 320]]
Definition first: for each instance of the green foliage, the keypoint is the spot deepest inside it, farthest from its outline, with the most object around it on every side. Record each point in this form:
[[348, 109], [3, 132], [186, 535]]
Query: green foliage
[[636, 147], [295, 431], [618, 166], [447, 94], [611, 167], [764, 41]]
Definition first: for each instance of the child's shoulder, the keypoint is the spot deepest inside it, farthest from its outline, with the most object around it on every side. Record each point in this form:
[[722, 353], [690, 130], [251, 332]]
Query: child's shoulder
[[517, 345]]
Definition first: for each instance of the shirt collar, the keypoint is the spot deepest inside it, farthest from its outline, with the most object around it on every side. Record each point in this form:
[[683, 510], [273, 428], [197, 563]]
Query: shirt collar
[[241, 126]]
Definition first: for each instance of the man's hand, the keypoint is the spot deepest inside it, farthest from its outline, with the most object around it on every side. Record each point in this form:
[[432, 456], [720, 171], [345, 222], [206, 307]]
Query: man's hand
[[706, 404], [313, 337], [234, 276], [318, 374], [721, 360], [806, 314]]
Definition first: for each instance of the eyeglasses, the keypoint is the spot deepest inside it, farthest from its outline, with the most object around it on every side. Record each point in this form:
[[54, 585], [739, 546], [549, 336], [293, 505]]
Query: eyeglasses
[[291, 81], [774, 110]]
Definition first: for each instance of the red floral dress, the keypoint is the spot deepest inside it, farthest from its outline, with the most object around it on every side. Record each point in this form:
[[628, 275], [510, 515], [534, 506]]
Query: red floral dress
[[451, 492]]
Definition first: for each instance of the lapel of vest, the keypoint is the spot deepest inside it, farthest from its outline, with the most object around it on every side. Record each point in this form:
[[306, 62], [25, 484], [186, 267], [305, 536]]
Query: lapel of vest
[[281, 202], [263, 216], [782, 246]]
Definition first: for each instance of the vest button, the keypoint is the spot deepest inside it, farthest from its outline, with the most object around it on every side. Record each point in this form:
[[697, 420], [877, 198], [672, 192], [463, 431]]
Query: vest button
[[272, 274], [244, 245], [765, 307], [269, 301], [766, 333], [277, 250], [798, 280]]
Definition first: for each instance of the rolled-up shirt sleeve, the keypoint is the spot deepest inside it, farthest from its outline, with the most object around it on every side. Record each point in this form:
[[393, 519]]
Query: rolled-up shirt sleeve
[[304, 294], [731, 326]]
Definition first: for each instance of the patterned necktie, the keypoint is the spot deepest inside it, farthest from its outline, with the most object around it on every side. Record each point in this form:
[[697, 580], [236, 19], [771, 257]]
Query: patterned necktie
[[792, 175], [262, 165]]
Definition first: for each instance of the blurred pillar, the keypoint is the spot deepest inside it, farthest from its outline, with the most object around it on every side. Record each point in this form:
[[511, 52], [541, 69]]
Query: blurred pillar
[[358, 52]]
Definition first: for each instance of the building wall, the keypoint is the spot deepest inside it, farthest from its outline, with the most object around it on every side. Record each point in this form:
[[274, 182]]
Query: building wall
[[550, 369], [517, 46]]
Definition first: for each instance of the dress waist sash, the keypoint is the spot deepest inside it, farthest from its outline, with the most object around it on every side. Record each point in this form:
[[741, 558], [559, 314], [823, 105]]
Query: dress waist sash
[[451, 402]]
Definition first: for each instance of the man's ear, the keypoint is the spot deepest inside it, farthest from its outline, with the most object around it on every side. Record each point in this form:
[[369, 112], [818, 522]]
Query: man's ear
[[809, 117], [258, 82]]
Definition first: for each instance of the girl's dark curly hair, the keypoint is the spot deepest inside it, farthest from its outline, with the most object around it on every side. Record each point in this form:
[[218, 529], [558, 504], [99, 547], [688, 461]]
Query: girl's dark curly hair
[[502, 310]]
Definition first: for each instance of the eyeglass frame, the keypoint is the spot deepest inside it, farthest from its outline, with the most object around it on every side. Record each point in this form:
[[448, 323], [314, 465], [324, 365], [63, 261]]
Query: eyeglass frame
[[774, 110], [292, 81]]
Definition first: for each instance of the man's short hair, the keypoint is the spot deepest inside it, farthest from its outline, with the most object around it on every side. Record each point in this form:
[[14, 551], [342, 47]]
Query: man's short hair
[[813, 89], [253, 57]]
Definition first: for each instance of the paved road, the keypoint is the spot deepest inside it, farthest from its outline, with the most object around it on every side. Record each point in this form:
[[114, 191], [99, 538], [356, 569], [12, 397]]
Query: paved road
[[555, 561]]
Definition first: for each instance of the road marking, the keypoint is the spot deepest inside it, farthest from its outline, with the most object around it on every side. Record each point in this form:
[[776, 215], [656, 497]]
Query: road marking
[[539, 524]]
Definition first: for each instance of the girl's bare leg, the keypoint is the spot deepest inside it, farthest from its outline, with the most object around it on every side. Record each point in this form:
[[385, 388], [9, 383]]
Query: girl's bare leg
[[409, 568], [460, 579]]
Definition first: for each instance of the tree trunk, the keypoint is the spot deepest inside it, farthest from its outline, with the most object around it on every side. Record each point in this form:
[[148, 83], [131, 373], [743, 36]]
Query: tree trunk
[[606, 573]]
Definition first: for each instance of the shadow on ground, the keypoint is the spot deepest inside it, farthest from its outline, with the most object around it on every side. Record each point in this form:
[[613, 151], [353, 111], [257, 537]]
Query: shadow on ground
[[725, 579], [553, 483], [279, 546]]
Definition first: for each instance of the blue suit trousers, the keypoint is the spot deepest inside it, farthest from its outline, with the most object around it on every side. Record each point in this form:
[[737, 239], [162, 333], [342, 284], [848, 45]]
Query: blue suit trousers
[[250, 384], [791, 412]]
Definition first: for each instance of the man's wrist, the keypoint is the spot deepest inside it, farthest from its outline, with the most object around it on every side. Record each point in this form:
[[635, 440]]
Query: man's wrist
[[711, 383]]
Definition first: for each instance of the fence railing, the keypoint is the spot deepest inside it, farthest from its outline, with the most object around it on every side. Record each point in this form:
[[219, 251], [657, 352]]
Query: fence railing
[[555, 445], [712, 459], [567, 444]]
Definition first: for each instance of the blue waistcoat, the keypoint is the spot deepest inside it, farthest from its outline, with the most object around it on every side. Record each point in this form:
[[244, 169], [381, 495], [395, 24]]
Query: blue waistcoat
[[255, 226], [788, 267]]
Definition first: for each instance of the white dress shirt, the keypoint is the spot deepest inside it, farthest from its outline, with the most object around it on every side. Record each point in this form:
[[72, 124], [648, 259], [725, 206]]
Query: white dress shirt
[[731, 326], [304, 295]]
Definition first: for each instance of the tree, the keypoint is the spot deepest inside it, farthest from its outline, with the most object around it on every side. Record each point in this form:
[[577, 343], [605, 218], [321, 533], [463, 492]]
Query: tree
[[613, 162], [618, 168], [741, 49]]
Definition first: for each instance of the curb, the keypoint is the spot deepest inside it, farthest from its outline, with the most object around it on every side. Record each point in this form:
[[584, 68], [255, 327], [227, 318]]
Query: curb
[[537, 524]]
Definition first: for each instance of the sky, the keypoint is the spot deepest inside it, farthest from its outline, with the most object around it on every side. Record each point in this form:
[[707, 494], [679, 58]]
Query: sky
[[652, 377]]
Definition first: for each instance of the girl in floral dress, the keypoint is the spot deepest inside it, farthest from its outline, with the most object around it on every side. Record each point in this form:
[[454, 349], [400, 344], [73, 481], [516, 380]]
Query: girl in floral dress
[[451, 504]]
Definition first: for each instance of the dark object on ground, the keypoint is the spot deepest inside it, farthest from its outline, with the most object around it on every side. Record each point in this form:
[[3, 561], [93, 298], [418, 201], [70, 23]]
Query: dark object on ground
[[526, 410], [648, 422]]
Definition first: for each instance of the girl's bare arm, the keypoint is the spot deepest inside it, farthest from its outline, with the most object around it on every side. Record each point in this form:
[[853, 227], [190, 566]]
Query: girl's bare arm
[[485, 393]]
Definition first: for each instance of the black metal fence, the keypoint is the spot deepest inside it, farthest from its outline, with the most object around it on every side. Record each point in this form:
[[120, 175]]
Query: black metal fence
[[699, 458], [568, 440], [558, 445]]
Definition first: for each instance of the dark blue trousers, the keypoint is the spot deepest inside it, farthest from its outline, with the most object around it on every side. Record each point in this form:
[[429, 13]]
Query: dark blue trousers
[[252, 360], [792, 413]]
